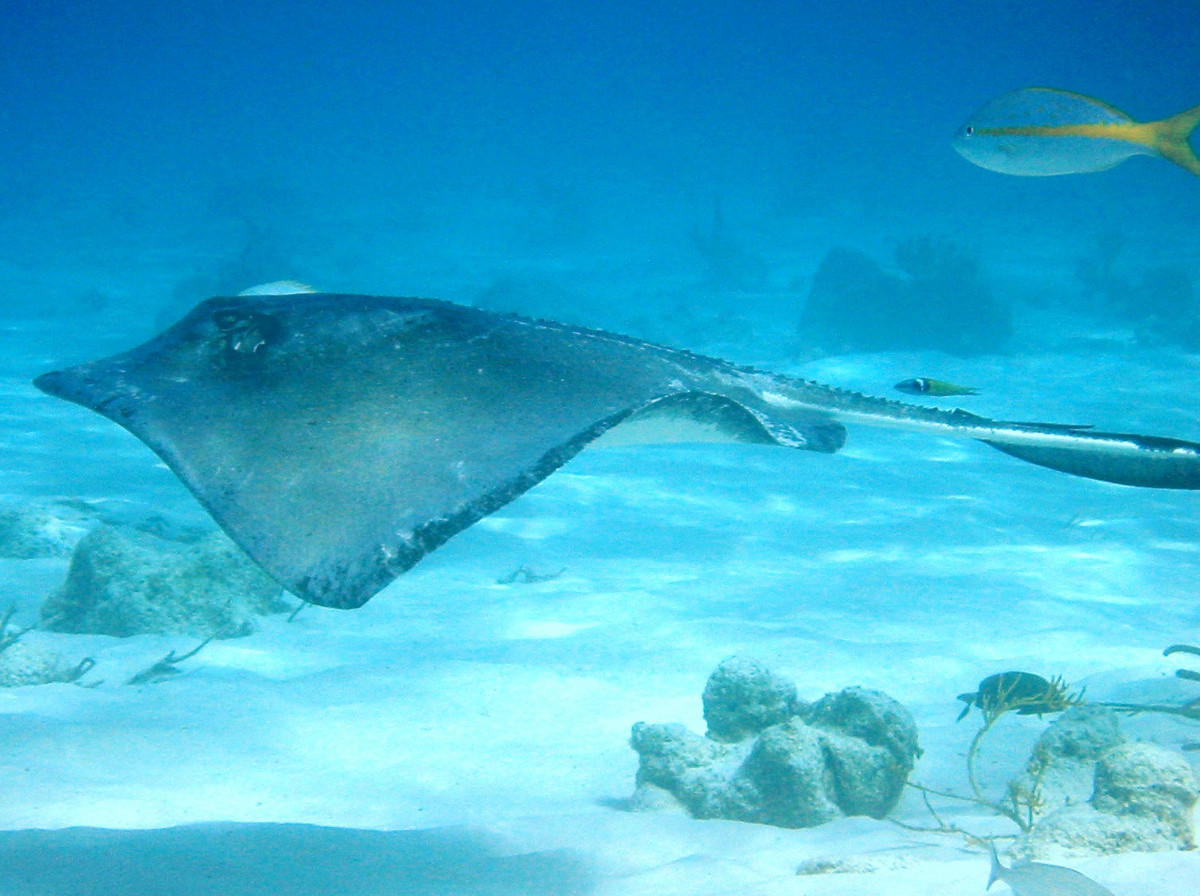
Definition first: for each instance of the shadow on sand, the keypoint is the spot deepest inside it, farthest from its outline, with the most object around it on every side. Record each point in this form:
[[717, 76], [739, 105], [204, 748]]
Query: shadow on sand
[[275, 859]]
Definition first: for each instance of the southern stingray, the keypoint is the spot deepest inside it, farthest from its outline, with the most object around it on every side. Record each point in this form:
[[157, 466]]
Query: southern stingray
[[340, 438]]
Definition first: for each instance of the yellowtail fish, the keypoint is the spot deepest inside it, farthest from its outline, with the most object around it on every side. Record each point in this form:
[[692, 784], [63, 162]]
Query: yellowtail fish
[[1037, 132], [923, 385], [1040, 879]]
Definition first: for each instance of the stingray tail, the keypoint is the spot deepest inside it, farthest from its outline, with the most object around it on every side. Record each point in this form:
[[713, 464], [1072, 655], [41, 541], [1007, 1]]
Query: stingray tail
[[1122, 458], [1171, 137]]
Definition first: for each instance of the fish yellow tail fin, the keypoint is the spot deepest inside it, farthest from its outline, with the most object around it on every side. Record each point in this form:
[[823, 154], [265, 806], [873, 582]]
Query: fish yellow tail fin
[[1171, 139]]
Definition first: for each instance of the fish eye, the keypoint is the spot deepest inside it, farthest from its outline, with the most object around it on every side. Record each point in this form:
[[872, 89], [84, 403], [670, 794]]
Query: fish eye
[[968, 131]]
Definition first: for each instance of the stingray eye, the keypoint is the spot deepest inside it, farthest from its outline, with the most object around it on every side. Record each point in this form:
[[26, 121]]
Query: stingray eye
[[226, 320], [244, 335]]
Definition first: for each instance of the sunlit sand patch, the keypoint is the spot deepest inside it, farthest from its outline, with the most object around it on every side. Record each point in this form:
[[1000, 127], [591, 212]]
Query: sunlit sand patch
[[1096, 594], [946, 456], [1071, 651], [534, 528], [889, 554], [1108, 576], [683, 504], [277, 664], [1087, 521], [583, 487], [544, 629], [1076, 653], [1113, 569], [1186, 547], [781, 505], [864, 453], [652, 495]]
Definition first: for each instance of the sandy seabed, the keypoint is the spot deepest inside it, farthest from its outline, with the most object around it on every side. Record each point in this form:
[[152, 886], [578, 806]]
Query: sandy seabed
[[458, 735]]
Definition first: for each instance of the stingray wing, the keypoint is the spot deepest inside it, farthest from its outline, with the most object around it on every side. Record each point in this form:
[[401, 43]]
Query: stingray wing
[[339, 439]]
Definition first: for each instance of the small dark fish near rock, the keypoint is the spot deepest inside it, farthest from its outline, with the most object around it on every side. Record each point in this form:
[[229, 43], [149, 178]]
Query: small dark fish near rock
[[1021, 692], [923, 385], [1041, 879], [525, 576]]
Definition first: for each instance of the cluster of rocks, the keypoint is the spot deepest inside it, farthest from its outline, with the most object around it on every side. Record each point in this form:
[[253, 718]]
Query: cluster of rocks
[[126, 580], [769, 757], [26, 662], [29, 533], [1100, 793], [857, 304]]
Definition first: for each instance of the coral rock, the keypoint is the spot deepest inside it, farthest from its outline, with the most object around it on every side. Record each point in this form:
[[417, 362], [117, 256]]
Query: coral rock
[[848, 754], [794, 785], [943, 303], [743, 698], [124, 582], [1062, 766], [1149, 781], [30, 532], [870, 716], [1143, 801], [25, 663]]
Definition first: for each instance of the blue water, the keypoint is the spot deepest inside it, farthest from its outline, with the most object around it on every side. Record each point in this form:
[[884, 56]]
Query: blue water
[[570, 152], [676, 171]]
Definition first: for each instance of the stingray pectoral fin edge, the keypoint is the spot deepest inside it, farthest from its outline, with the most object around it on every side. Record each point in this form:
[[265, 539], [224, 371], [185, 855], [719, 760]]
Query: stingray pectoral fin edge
[[349, 582]]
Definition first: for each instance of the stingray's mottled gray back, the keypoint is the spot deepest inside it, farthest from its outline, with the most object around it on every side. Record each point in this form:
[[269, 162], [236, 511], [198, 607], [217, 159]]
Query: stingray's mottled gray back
[[338, 439]]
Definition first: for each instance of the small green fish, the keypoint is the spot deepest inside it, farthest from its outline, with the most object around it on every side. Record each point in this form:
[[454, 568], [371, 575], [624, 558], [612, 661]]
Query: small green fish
[[1037, 132], [923, 385], [1040, 879]]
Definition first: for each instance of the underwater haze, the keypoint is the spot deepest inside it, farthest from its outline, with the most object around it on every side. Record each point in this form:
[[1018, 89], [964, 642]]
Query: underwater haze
[[771, 183], [557, 154]]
